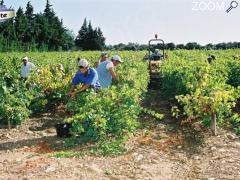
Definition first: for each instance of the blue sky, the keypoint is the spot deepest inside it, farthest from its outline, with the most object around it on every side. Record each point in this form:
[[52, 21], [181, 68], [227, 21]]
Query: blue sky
[[177, 21]]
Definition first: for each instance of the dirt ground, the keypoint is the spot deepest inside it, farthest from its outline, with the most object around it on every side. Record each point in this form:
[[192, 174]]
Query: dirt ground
[[158, 151]]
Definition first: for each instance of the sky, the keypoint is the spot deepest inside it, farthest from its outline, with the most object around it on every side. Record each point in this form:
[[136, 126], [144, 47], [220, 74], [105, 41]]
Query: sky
[[123, 21]]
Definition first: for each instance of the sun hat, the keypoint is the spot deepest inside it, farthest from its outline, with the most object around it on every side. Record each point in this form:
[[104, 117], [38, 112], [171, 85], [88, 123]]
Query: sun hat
[[25, 58], [83, 63], [117, 58]]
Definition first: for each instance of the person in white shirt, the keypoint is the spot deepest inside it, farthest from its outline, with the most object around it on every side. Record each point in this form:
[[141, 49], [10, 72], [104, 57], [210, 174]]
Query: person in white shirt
[[26, 68]]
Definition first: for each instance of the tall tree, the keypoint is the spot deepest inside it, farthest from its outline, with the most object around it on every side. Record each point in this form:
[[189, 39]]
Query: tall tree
[[170, 46], [55, 33], [48, 11], [89, 38], [100, 39], [29, 34], [20, 24], [69, 40], [29, 11], [80, 40], [180, 46], [90, 44], [2, 2], [34, 31]]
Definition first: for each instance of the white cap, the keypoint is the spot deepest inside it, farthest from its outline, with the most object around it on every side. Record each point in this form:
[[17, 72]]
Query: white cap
[[83, 63], [117, 58], [25, 58], [60, 67]]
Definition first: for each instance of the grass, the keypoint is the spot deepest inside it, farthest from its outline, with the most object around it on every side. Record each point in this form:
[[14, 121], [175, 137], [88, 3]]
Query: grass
[[76, 147]]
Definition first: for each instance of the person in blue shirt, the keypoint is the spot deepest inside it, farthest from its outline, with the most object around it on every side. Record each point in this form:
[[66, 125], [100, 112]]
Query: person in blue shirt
[[106, 71], [85, 75]]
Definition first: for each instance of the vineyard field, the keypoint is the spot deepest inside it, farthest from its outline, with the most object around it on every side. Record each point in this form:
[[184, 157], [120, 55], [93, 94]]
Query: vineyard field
[[129, 130], [199, 88]]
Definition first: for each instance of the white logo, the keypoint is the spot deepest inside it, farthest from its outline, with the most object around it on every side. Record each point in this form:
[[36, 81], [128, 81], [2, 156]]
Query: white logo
[[208, 6], [6, 14]]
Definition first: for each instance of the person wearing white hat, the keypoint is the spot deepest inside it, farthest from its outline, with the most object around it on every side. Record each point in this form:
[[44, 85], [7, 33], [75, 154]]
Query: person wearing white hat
[[103, 57], [26, 68], [85, 75], [106, 71]]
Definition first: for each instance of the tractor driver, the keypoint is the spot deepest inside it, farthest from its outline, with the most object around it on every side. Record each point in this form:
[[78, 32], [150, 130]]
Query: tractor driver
[[156, 55]]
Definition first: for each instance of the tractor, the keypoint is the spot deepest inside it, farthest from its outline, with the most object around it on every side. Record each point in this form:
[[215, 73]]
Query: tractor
[[155, 59]]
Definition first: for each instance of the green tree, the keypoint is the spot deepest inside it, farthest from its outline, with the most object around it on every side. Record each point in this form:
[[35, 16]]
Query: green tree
[[209, 46], [29, 34], [100, 39], [170, 46], [48, 11], [192, 45], [69, 39], [20, 26], [55, 35], [43, 31], [81, 38], [29, 11], [89, 38], [180, 46]]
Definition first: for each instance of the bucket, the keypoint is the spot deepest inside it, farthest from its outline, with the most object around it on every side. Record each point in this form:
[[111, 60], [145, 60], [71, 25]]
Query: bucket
[[63, 129]]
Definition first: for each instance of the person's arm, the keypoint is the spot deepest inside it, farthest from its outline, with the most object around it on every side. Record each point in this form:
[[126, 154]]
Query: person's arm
[[75, 82], [72, 89], [34, 68], [83, 88], [92, 78], [110, 68], [74, 93], [112, 72]]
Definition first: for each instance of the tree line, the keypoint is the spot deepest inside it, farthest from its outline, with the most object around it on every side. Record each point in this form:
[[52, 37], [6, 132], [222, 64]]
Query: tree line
[[46, 32], [172, 46], [29, 31]]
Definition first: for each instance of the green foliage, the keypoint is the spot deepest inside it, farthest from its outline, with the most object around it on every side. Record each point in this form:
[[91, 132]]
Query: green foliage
[[14, 99], [235, 121], [109, 116], [31, 32], [201, 90], [112, 112], [104, 148], [49, 86], [89, 38], [114, 147], [234, 73], [152, 113]]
